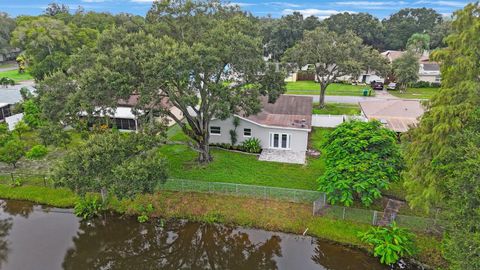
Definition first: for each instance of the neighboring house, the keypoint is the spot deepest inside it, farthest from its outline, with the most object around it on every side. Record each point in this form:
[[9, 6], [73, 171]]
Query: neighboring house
[[429, 71], [396, 114], [5, 111], [126, 117], [282, 128], [9, 54]]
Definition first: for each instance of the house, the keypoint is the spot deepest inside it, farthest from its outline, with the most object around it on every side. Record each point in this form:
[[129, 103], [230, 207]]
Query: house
[[429, 71], [5, 111], [396, 114], [126, 115], [281, 127]]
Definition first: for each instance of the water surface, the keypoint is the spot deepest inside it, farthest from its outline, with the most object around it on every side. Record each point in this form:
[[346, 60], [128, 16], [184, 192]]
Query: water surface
[[39, 237]]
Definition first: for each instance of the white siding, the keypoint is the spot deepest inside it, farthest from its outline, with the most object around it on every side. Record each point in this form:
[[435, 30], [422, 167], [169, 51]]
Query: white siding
[[298, 141]]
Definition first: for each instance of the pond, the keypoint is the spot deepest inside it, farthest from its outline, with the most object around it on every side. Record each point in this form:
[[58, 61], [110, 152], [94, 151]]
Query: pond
[[40, 237]]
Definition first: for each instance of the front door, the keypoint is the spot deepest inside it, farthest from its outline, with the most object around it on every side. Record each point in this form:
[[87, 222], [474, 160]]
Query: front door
[[280, 140]]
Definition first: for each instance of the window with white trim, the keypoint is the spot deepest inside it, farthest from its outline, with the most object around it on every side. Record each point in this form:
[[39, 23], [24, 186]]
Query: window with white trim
[[247, 132], [215, 130]]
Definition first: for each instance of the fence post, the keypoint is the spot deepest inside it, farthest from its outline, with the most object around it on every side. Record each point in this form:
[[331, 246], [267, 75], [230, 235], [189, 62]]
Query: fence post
[[13, 179], [343, 215], [374, 217], [324, 199], [44, 181]]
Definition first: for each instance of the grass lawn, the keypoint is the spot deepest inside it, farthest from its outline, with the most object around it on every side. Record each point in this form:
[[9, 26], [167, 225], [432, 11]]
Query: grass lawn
[[420, 93], [334, 89], [242, 168], [337, 109], [17, 77]]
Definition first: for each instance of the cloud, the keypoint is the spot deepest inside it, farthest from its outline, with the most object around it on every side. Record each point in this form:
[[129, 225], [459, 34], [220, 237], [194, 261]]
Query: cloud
[[241, 4], [320, 13], [442, 3], [142, 1], [369, 3], [282, 4], [94, 1]]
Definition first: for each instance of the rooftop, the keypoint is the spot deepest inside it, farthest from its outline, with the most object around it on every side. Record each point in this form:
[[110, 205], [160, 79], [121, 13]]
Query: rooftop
[[397, 114], [287, 111]]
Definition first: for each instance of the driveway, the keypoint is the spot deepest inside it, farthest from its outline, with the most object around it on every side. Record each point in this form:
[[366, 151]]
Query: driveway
[[11, 94]]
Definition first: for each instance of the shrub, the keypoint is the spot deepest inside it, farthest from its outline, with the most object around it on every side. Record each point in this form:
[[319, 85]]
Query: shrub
[[145, 211], [252, 145], [37, 152], [12, 152], [88, 207], [362, 158], [421, 84], [390, 244]]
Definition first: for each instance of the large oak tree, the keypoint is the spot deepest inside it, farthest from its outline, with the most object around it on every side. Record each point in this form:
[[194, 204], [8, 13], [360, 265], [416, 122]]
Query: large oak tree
[[334, 55], [205, 58]]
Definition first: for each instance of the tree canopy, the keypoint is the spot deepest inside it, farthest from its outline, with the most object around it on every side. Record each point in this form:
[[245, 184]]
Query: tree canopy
[[402, 25], [364, 25], [334, 55], [362, 159], [442, 152], [7, 25], [405, 69]]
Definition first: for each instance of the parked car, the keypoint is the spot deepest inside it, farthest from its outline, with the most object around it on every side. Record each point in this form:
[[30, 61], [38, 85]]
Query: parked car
[[392, 86], [377, 85]]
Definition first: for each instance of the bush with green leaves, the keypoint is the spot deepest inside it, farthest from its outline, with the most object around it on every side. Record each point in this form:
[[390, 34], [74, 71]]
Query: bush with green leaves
[[89, 207], [5, 134], [125, 164], [31, 113], [145, 211], [252, 145], [389, 243], [5, 81], [362, 158], [12, 152], [37, 152], [53, 134]]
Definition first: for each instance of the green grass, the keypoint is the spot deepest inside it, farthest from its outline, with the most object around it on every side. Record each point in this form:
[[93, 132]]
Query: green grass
[[60, 197], [337, 109], [334, 89], [416, 93], [231, 167], [17, 77]]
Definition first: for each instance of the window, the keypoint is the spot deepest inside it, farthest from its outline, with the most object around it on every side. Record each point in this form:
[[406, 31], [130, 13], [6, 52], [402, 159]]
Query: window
[[125, 124], [280, 140], [215, 131], [437, 78], [247, 132]]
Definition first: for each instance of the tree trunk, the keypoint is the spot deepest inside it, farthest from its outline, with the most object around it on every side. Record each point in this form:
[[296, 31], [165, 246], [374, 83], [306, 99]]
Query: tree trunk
[[323, 88], [204, 156]]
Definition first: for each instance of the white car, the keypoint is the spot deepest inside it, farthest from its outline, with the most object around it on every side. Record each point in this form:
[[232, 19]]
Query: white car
[[392, 86]]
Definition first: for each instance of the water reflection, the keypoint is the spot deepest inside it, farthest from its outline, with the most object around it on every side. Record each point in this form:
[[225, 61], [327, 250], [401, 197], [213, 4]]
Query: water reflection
[[184, 245], [37, 237]]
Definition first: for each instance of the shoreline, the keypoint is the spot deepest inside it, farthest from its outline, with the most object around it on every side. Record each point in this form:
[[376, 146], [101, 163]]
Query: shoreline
[[244, 212]]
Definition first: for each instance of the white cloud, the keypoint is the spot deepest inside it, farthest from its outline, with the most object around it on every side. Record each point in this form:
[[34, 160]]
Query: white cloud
[[240, 4], [142, 1], [94, 1], [282, 4], [370, 3], [320, 13], [442, 3]]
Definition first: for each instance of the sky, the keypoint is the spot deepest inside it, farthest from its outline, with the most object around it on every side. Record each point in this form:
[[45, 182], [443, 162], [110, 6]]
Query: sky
[[321, 9]]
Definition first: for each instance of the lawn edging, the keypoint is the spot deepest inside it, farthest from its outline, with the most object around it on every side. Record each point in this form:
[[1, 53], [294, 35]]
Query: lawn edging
[[236, 211]]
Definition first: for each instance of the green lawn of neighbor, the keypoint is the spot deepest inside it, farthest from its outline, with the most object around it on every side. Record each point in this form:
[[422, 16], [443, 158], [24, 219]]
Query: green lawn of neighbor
[[337, 109], [8, 65], [417, 93], [232, 167], [334, 89], [17, 77]]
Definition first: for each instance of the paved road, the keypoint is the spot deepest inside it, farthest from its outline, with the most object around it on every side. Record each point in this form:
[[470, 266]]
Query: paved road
[[11, 94], [380, 95], [12, 67]]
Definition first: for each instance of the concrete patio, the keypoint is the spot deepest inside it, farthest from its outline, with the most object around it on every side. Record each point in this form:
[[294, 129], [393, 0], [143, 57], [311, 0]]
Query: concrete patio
[[284, 156]]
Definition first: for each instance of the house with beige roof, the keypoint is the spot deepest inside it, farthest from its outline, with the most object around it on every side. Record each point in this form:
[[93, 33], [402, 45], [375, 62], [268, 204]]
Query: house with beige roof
[[396, 114], [281, 127], [429, 71]]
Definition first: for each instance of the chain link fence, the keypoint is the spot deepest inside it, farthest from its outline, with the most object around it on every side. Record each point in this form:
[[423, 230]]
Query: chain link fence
[[261, 192], [317, 199]]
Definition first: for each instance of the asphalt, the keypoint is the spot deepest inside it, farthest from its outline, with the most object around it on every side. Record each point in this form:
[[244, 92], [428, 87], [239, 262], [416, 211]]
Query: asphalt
[[11, 94]]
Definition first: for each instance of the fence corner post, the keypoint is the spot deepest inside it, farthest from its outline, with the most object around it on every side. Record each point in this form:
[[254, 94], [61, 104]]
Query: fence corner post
[[374, 217]]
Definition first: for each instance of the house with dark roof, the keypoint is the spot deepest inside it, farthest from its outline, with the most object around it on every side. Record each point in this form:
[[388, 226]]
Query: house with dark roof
[[281, 127]]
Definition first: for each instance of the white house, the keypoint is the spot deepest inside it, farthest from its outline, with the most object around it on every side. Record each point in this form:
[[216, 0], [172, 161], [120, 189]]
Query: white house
[[281, 127], [429, 71]]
